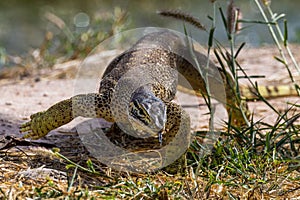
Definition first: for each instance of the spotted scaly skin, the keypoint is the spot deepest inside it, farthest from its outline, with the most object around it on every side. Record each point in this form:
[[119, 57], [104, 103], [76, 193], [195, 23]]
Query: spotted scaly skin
[[98, 104], [155, 53]]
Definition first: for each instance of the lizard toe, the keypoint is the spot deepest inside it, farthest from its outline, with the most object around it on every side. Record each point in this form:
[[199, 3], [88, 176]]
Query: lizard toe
[[25, 127]]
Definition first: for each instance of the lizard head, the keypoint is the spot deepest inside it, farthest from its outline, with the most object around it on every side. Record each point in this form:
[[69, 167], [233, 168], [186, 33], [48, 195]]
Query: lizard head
[[147, 112]]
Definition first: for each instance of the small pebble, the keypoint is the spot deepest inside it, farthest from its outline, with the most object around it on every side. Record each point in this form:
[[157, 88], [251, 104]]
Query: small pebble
[[37, 79]]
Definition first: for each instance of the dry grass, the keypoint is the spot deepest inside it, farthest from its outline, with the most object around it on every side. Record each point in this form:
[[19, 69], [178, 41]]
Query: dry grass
[[232, 170]]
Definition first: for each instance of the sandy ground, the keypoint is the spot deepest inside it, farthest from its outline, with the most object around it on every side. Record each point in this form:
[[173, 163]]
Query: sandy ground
[[21, 98]]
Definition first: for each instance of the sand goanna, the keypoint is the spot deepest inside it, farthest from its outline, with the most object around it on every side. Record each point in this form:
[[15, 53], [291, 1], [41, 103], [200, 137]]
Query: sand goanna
[[148, 109]]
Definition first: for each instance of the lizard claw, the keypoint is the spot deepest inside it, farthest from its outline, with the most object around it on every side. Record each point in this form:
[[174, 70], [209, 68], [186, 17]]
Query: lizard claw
[[26, 127], [35, 127], [42, 123]]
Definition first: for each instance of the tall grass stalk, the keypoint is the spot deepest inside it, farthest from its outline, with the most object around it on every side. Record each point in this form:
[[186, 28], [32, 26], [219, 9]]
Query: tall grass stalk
[[283, 37]]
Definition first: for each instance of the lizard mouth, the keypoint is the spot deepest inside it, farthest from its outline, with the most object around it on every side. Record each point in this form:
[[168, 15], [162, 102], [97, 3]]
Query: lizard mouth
[[147, 113], [145, 130]]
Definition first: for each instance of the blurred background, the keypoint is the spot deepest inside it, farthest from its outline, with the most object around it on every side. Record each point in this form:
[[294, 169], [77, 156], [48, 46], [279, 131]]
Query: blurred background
[[26, 25]]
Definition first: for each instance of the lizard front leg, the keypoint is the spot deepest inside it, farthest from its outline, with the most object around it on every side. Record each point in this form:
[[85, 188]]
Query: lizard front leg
[[177, 137], [85, 105]]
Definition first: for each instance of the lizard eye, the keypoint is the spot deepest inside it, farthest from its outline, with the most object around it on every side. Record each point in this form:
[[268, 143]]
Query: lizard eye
[[139, 112]]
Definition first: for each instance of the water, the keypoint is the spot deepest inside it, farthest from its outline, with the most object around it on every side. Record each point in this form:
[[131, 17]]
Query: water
[[23, 25]]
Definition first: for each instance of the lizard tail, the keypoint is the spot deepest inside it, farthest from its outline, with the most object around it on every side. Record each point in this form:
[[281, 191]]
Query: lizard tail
[[271, 91], [250, 93]]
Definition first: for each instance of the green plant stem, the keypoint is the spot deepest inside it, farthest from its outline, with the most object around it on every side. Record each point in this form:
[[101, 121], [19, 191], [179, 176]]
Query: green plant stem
[[79, 166], [72, 179], [210, 45], [270, 28], [274, 34], [234, 69], [282, 39]]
